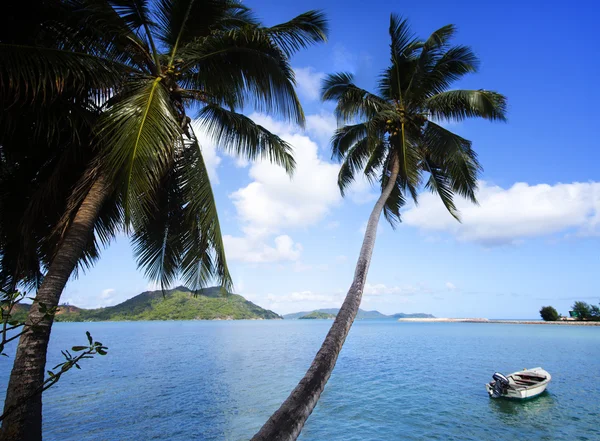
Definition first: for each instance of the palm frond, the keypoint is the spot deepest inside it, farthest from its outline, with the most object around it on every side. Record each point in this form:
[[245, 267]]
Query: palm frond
[[95, 27], [346, 137], [204, 252], [354, 160], [29, 73], [158, 238], [456, 105], [376, 160], [139, 133], [352, 101], [441, 184], [136, 13], [403, 41], [182, 21], [246, 66], [300, 32], [450, 66], [240, 135], [455, 155], [396, 200]]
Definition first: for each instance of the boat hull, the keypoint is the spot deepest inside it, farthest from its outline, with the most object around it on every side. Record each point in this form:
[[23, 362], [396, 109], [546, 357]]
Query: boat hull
[[519, 391]]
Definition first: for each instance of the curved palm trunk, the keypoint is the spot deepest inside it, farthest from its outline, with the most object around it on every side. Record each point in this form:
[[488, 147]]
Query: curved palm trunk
[[23, 400], [287, 422]]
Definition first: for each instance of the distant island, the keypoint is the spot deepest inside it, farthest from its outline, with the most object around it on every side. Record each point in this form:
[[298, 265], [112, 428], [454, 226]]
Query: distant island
[[362, 314], [317, 315], [175, 304]]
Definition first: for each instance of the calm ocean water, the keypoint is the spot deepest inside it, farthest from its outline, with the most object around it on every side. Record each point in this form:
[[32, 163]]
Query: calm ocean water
[[410, 381]]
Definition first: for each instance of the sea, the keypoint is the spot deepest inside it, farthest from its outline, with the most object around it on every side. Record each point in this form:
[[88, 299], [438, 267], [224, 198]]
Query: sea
[[221, 380]]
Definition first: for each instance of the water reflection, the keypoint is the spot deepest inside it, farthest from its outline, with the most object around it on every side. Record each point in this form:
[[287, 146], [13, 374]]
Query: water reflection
[[507, 409]]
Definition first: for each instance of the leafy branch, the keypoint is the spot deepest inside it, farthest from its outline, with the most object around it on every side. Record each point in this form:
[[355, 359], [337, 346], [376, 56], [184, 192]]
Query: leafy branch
[[7, 305], [8, 300], [95, 347]]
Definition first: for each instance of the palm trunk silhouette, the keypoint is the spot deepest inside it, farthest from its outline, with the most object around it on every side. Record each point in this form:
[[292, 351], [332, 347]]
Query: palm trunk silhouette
[[23, 398], [287, 422]]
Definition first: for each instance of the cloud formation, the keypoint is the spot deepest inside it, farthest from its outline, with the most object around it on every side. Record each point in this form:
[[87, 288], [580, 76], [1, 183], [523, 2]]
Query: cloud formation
[[308, 82], [508, 216]]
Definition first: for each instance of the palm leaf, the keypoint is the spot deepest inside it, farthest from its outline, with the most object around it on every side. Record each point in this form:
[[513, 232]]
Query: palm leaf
[[352, 101], [441, 184], [460, 104], [240, 135], [28, 73], [139, 132], [354, 160], [300, 32], [457, 157], [158, 239], [247, 67], [204, 252]]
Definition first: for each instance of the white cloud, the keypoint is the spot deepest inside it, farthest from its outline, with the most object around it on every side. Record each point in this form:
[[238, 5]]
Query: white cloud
[[107, 293], [321, 127], [507, 216], [316, 300], [380, 289], [308, 82], [451, 286], [255, 248], [106, 297], [273, 201]]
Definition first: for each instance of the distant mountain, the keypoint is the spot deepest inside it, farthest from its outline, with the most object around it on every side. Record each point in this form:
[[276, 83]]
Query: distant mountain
[[317, 315], [176, 304], [415, 315], [361, 314]]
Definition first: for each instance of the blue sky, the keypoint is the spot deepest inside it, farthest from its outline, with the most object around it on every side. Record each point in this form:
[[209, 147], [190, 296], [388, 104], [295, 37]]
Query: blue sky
[[532, 241]]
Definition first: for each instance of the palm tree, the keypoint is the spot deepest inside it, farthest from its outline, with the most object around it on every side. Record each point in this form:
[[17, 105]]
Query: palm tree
[[146, 66], [394, 136]]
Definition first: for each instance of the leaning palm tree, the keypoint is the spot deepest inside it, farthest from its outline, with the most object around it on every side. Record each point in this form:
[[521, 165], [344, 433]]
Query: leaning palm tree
[[147, 66], [395, 137]]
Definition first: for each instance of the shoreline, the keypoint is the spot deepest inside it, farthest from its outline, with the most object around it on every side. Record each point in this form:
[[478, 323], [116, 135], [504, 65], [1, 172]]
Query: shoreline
[[504, 322]]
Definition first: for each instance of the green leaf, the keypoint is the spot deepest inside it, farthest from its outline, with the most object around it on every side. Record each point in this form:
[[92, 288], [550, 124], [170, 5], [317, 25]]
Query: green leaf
[[240, 135], [89, 337], [456, 105], [79, 348], [139, 132], [101, 351]]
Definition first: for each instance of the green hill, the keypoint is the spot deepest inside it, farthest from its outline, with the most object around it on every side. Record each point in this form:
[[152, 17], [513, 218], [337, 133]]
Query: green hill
[[317, 315], [362, 314], [176, 304], [415, 315]]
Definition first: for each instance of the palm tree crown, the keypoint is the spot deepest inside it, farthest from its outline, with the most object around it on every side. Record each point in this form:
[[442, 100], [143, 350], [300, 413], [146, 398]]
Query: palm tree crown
[[400, 125], [146, 65]]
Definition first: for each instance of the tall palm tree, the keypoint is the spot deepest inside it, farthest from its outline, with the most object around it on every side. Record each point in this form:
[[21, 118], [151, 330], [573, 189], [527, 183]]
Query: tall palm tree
[[146, 66], [394, 136]]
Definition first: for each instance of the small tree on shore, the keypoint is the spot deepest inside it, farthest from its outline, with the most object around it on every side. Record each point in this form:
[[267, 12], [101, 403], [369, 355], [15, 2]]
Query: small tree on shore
[[549, 314], [582, 309]]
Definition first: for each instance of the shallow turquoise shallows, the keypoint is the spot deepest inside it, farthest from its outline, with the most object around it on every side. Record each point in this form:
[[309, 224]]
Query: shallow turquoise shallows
[[393, 381]]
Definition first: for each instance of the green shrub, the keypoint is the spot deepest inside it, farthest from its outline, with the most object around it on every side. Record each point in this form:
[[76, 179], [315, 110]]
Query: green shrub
[[549, 314]]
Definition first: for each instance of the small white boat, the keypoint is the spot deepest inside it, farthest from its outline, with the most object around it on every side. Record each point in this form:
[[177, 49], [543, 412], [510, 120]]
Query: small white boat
[[527, 383]]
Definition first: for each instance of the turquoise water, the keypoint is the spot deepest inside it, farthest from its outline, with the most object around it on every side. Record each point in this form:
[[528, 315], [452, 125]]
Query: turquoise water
[[410, 381]]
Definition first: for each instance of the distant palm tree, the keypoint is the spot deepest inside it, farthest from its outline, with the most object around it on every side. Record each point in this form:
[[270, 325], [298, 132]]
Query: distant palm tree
[[146, 66], [395, 138]]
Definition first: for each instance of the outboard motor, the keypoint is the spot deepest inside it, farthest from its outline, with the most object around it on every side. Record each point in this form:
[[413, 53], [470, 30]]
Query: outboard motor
[[500, 385]]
